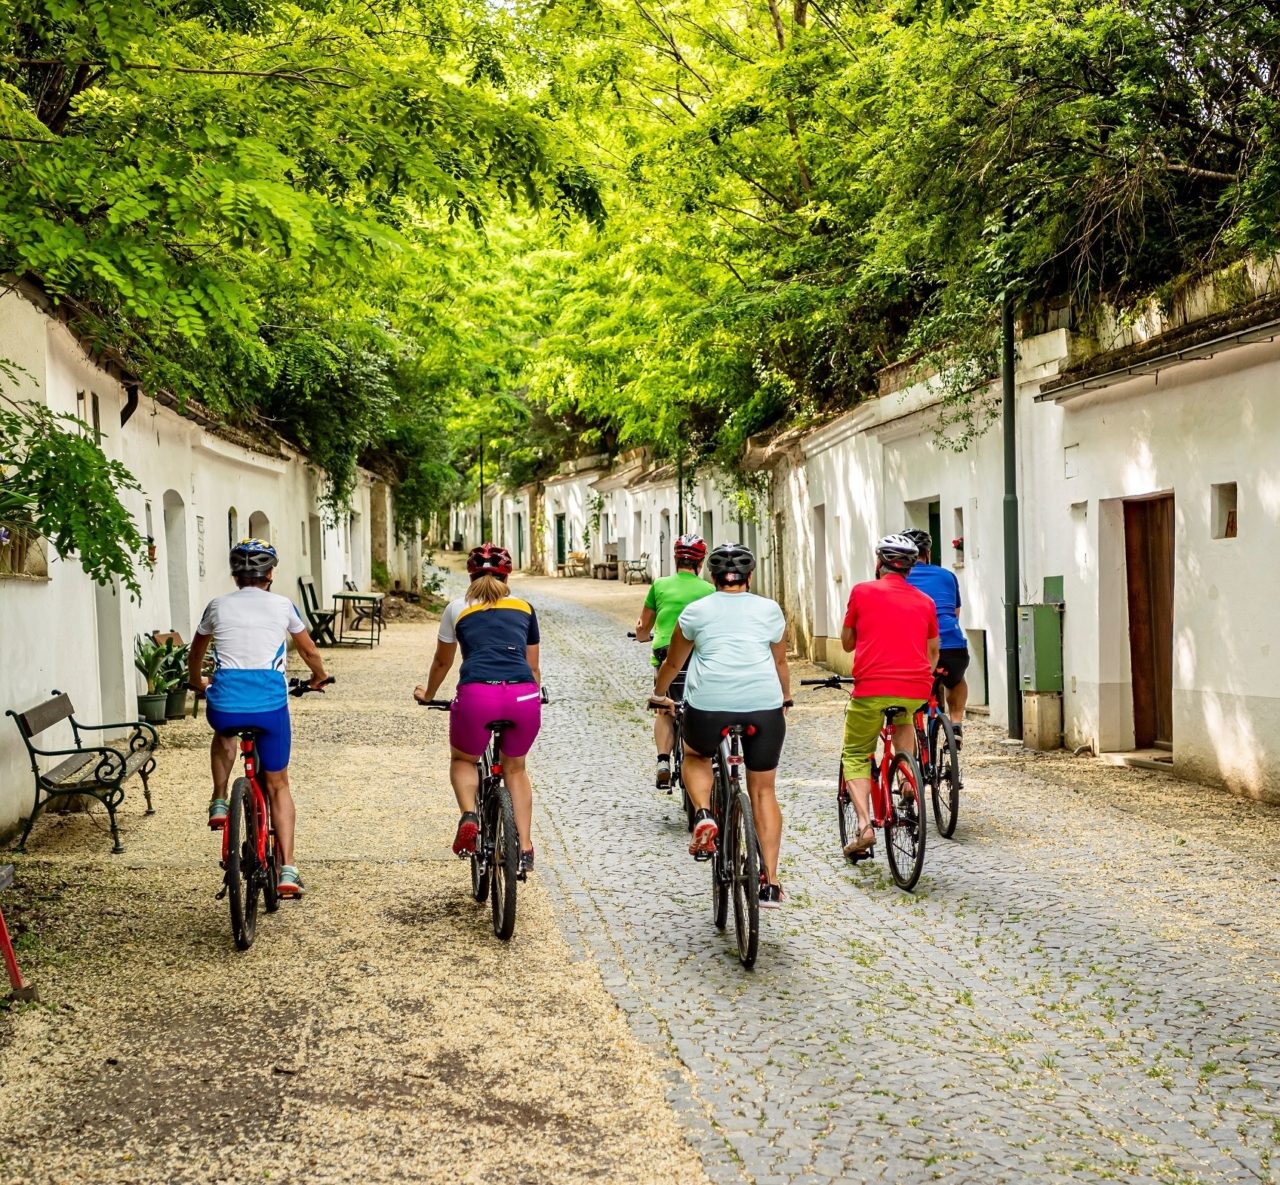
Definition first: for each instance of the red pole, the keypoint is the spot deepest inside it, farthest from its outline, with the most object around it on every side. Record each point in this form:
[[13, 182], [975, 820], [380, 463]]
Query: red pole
[[21, 990]]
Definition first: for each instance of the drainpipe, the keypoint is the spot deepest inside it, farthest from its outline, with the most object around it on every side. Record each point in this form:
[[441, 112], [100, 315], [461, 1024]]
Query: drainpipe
[[680, 493], [130, 403], [483, 536], [1012, 580]]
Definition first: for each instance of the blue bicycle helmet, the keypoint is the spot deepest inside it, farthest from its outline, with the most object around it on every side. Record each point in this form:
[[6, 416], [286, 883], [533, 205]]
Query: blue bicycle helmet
[[253, 557]]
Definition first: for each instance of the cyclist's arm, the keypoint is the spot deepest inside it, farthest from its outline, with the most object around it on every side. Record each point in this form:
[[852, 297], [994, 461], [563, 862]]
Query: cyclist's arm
[[779, 649], [440, 665], [310, 654], [644, 626], [848, 639], [677, 652], [195, 660], [531, 656], [935, 649]]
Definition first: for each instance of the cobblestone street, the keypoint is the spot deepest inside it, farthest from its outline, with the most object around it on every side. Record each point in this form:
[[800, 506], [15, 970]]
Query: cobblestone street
[[1083, 986]]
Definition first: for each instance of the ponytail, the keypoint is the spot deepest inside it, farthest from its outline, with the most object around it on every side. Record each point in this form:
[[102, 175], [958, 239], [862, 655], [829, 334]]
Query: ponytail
[[487, 589]]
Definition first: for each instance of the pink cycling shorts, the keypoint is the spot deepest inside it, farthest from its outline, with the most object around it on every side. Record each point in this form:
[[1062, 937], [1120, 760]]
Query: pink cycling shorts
[[476, 704]]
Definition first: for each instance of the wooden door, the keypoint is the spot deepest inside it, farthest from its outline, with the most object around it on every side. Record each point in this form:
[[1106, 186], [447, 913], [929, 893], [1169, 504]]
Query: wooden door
[[1148, 545], [561, 546]]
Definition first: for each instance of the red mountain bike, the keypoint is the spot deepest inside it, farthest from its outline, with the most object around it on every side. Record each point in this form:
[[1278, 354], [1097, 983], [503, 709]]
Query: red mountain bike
[[249, 862], [896, 809]]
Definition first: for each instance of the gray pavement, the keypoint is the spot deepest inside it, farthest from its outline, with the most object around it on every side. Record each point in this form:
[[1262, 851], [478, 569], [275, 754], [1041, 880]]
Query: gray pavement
[[1082, 988]]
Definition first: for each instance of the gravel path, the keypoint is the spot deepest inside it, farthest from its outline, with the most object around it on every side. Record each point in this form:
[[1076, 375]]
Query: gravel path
[[1083, 987], [376, 1032]]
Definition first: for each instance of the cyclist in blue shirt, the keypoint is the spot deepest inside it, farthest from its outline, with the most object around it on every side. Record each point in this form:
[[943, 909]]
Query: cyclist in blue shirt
[[944, 590]]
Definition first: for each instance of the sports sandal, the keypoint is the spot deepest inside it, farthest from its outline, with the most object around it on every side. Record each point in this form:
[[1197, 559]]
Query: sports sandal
[[464, 842], [219, 809], [860, 843]]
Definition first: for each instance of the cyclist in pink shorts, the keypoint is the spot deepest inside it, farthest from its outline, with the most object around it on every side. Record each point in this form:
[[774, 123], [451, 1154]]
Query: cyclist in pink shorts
[[499, 680]]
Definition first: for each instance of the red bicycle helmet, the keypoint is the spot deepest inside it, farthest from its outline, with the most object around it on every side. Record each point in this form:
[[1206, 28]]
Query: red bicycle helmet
[[489, 560], [691, 548]]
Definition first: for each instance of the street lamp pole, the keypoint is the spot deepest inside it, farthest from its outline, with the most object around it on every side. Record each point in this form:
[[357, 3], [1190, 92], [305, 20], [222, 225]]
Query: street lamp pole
[[483, 534], [680, 492], [1012, 581]]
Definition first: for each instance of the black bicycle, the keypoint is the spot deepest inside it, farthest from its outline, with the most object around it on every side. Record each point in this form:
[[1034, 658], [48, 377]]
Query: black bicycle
[[939, 760], [677, 759], [250, 862], [495, 862], [735, 864]]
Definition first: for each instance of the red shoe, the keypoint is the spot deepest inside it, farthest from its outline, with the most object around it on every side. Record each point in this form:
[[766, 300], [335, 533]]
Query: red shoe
[[464, 842], [705, 833]]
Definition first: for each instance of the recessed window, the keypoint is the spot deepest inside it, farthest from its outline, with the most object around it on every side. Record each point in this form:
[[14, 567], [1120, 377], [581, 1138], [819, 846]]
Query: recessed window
[[957, 539], [1223, 509]]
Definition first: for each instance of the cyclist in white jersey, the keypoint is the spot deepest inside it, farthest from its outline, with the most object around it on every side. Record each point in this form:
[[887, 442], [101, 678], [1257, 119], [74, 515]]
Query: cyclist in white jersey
[[248, 629]]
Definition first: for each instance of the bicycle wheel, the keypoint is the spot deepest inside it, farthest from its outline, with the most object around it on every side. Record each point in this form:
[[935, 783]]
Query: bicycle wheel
[[944, 783], [505, 863], [845, 814], [719, 870], [484, 841], [743, 858], [905, 828], [242, 846]]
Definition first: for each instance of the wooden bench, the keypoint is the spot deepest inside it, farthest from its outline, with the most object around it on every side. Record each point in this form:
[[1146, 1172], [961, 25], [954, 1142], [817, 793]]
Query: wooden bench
[[637, 568], [97, 770], [576, 564], [319, 621]]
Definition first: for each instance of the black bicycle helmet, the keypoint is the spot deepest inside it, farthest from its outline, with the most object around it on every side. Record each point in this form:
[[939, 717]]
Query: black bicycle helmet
[[897, 553], [731, 563], [922, 539], [253, 557]]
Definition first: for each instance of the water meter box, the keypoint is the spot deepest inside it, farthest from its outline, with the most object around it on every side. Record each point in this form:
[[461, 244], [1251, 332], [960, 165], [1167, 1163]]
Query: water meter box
[[1040, 647]]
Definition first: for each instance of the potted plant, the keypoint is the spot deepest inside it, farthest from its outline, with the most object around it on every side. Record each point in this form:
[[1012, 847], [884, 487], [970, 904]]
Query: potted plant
[[174, 669], [148, 658]]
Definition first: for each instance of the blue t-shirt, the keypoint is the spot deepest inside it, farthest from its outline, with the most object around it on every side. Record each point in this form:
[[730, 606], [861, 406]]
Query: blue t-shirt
[[732, 668], [493, 638], [943, 589]]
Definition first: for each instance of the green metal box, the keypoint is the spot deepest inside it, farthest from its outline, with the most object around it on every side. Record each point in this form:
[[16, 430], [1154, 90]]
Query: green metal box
[[1040, 647]]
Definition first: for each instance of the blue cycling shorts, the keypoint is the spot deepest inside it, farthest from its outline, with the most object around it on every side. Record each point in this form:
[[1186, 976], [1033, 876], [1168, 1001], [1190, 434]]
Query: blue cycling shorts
[[276, 739]]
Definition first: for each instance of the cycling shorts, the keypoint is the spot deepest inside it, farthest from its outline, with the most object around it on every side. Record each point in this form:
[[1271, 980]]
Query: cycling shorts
[[475, 705], [277, 733], [761, 751], [862, 720], [676, 690], [954, 662]]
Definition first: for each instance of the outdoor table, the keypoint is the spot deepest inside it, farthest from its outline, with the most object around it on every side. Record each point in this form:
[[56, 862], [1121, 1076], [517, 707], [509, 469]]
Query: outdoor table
[[340, 602]]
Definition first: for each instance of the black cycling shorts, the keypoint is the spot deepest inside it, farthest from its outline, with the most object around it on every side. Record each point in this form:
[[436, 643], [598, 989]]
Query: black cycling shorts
[[676, 691], [954, 662], [760, 752]]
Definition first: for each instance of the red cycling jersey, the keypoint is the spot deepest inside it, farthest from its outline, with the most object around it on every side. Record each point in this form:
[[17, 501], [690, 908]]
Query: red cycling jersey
[[892, 624]]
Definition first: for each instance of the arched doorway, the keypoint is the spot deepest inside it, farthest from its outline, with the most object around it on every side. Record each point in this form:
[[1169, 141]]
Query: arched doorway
[[259, 526], [175, 552], [664, 544], [233, 528]]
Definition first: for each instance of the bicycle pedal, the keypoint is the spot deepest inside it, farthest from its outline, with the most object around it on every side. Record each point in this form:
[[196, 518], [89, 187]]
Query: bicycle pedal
[[221, 894]]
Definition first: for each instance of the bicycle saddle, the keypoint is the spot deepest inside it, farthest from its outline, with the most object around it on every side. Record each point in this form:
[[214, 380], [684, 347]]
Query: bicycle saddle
[[244, 731], [892, 714], [500, 725]]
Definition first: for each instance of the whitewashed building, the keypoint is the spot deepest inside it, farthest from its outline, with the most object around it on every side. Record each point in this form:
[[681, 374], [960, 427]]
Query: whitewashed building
[[202, 487]]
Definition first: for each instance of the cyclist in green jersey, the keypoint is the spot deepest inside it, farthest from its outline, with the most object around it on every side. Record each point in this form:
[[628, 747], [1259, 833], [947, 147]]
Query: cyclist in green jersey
[[668, 596]]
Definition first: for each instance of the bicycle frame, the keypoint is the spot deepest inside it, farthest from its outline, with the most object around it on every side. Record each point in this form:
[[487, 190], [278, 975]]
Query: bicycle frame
[[261, 808], [922, 718]]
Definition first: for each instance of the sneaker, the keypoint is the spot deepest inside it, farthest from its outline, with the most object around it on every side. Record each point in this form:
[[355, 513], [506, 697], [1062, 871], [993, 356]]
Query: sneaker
[[290, 882], [526, 864], [464, 841], [705, 833], [663, 780], [770, 895], [219, 808]]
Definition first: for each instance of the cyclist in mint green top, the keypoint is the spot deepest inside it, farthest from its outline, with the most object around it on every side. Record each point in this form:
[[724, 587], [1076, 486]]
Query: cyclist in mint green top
[[667, 599]]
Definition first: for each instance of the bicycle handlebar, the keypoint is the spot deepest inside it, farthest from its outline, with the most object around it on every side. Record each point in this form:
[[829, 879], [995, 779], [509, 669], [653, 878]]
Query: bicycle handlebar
[[832, 681], [443, 705], [299, 687]]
